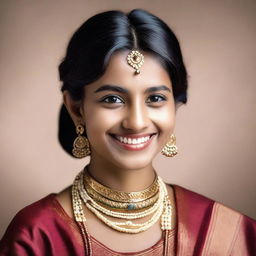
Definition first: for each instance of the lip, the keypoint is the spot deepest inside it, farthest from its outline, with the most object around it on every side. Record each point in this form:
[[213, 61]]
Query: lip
[[133, 147]]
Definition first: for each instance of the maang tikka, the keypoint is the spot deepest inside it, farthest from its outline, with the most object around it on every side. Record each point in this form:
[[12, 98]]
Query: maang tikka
[[135, 59], [170, 149], [81, 146]]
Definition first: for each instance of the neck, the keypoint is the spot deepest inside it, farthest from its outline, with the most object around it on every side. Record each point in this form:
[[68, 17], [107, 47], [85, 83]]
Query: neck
[[120, 179]]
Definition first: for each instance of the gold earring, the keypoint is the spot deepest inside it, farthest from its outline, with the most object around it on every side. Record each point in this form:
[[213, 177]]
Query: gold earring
[[170, 149], [81, 147]]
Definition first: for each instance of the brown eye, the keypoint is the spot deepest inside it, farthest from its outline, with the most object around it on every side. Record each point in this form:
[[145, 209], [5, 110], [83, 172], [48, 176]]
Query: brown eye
[[155, 98], [112, 99]]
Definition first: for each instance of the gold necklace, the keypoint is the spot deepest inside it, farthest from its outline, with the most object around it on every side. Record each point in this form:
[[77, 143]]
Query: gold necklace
[[87, 199], [157, 209], [119, 205], [120, 196], [164, 210]]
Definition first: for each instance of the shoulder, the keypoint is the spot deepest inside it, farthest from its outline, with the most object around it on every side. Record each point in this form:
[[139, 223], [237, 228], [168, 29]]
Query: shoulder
[[194, 201], [35, 227], [188, 195], [35, 214], [33, 217], [215, 224], [188, 198]]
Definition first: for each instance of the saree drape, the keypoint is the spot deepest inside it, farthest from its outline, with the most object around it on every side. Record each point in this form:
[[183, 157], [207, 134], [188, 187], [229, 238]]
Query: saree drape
[[204, 227]]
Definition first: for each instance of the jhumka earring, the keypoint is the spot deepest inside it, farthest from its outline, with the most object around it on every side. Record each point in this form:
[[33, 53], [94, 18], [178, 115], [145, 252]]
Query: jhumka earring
[[135, 59], [81, 147], [170, 149]]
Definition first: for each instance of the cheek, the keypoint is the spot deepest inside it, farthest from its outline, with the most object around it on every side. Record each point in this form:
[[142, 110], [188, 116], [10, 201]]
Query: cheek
[[164, 118], [99, 121]]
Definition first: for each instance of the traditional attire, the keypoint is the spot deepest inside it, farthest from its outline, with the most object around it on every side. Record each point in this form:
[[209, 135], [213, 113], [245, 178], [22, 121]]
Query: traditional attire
[[204, 227]]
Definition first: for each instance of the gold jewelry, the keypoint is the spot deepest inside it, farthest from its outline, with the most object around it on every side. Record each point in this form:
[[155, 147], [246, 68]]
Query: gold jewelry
[[81, 147], [120, 196], [170, 149], [127, 226], [77, 202], [133, 228], [164, 211], [119, 205], [135, 59], [163, 208], [117, 214]]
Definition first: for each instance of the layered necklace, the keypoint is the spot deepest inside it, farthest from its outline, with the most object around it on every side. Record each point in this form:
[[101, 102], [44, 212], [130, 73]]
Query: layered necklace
[[108, 204]]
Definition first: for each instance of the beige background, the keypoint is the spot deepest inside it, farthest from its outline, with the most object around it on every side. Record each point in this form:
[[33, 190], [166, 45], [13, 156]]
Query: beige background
[[215, 131]]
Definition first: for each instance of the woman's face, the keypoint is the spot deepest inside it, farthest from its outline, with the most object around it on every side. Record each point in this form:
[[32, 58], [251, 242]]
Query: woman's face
[[129, 117]]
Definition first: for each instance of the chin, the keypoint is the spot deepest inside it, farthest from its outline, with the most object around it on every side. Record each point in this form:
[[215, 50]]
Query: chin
[[133, 163], [125, 159]]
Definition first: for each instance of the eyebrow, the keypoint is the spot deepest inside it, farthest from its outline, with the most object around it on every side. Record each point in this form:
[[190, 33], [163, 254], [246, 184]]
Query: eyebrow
[[116, 88], [158, 88], [113, 88]]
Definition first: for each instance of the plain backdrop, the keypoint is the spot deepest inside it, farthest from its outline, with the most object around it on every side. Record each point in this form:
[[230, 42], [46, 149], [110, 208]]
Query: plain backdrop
[[215, 130]]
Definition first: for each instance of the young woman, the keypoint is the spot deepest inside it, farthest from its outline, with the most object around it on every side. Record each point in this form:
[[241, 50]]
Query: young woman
[[123, 78]]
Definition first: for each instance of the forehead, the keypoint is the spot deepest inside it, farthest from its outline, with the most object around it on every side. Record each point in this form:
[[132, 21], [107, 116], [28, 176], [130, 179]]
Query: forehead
[[119, 72]]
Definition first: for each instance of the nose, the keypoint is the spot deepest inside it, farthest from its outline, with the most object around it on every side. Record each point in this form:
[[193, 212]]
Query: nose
[[136, 117]]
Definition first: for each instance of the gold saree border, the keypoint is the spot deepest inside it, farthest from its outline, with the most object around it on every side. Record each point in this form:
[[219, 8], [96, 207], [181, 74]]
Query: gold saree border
[[223, 231]]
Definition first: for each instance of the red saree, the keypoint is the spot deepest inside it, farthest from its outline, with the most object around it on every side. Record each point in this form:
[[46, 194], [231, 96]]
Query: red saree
[[204, 227]]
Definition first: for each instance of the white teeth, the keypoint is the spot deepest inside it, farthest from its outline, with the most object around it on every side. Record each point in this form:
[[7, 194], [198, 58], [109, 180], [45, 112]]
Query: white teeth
[[138, 142]]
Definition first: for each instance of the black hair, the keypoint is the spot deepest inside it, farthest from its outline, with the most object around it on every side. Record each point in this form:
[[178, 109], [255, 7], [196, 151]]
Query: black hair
[[92, 45]]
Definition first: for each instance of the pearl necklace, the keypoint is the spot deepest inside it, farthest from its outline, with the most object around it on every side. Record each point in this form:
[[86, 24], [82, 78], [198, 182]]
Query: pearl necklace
[[133, 228], [163, 210]]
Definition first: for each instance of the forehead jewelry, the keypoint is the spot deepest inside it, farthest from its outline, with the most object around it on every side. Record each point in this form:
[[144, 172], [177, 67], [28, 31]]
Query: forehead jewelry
[[135, 59]]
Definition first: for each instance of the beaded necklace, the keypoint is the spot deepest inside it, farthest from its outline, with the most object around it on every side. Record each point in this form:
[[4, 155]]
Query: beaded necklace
[[161, 209]]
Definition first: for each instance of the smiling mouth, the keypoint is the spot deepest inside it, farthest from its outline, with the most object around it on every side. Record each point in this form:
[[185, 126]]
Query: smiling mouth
[[133, 142]]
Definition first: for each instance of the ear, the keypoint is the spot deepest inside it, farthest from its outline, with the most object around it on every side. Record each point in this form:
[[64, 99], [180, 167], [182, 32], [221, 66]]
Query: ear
[[73, 107]]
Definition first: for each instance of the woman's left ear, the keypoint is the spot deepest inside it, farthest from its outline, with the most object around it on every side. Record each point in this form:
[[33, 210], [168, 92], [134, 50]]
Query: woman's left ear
[[73, 107]]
